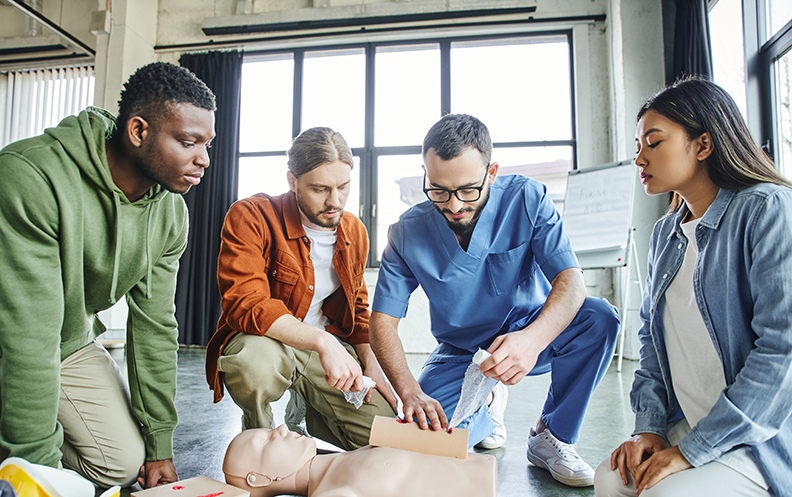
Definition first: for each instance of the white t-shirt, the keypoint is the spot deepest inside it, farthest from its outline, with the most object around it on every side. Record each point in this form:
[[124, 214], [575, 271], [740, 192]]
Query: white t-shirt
[[325, 277], [696, 368]]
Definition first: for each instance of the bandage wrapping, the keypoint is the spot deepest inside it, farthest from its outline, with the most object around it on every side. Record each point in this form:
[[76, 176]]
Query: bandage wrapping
[[356, 398], [475, 389]]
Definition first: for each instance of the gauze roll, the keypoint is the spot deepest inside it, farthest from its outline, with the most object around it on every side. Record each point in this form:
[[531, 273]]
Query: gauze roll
[[475, 389], [356, 398]]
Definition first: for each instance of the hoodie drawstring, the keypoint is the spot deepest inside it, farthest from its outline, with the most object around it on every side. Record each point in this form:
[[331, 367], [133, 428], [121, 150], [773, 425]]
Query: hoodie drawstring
[[119, 244], [149, 265]]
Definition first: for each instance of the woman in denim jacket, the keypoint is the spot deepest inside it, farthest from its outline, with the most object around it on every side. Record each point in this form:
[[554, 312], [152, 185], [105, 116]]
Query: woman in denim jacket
[[713, 393]]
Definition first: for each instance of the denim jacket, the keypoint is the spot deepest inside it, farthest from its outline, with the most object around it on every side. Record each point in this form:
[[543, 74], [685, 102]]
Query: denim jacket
[[743, 288]]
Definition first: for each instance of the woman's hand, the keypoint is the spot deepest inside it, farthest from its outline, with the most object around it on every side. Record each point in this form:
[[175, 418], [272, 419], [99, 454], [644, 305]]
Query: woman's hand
[[629, 455], [661, 464]]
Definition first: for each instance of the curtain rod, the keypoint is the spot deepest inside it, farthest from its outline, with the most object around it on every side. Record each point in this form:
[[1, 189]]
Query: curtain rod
[[352, 22], [239, 42]]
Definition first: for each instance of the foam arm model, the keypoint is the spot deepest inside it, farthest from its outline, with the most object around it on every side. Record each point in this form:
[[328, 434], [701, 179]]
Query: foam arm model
[[395, 433]]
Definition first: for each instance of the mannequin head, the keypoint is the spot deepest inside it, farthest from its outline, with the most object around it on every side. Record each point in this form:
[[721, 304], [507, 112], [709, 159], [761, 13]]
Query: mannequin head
[[269, 462]]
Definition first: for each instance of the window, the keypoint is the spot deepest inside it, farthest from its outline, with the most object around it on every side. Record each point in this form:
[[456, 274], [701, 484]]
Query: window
[[38, 99], [779, 12], [728, 57], [767, 28], [384, 96], [782, 69]]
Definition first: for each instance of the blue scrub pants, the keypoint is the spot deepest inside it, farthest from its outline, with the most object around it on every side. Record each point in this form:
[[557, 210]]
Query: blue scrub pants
[[577, 360]]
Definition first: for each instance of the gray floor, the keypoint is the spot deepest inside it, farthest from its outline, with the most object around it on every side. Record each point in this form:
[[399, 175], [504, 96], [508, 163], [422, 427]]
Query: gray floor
[[205, 429]]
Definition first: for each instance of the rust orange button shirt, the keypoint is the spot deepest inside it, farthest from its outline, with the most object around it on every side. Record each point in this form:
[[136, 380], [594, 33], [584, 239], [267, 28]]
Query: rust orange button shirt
[[264, 271]]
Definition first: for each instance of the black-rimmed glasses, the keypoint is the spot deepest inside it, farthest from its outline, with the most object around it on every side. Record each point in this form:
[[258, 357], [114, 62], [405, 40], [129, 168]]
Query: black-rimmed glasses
[[466, 194]]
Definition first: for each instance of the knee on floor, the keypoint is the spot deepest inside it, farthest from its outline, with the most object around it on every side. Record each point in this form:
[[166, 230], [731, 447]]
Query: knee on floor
[[118, 467]]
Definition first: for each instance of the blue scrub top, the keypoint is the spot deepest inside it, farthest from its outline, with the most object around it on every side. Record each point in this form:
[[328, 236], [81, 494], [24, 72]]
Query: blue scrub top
[[518, 246]]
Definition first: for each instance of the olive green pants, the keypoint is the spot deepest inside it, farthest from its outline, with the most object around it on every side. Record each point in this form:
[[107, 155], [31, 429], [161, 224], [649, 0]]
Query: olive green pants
[[258, 370]]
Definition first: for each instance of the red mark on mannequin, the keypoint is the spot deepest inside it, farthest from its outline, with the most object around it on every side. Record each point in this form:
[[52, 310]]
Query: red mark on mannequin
[[178, 487], [212, 495], [450, 431], [401, 421]]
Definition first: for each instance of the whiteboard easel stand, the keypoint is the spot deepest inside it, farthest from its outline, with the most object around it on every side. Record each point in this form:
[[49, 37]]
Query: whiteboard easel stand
[[632, 260]]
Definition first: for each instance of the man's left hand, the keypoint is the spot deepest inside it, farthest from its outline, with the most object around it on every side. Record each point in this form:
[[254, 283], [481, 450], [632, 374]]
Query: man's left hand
[[658, 466], [156, 473], [513, 357]]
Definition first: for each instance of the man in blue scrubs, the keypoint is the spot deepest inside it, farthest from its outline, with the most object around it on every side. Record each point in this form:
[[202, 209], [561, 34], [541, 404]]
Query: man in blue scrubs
[[493, 258]]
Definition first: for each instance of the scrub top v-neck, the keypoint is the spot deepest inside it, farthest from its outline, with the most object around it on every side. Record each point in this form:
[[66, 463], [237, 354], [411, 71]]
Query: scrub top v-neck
[[498, 285]]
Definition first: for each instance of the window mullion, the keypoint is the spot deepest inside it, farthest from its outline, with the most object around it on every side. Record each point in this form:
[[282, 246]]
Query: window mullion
[[445, 77], [368, 169], [299, 59]]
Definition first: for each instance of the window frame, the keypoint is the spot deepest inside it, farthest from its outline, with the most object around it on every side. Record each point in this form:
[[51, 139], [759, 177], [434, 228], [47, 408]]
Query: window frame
[[369, 154], [760, 56]]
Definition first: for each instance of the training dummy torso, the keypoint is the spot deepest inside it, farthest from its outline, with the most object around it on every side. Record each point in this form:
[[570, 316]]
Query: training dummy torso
[[386, 472]]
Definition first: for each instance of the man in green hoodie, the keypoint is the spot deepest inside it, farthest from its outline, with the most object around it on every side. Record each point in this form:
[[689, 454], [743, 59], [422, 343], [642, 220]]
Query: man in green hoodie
[[88, 215]]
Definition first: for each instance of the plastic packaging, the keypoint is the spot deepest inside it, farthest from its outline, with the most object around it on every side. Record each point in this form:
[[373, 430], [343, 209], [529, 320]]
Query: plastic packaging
[[475, 389], [35, 480], [356, 398]]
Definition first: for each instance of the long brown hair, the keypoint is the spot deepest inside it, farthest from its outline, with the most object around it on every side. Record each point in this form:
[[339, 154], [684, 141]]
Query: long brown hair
[[700, 107], [316, 146]]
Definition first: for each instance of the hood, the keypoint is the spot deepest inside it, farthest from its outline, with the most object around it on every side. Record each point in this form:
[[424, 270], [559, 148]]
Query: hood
[[83, 137]]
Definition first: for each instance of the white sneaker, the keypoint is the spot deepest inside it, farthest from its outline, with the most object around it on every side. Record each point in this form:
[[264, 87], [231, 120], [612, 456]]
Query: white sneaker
[[295, 414], [496, 409], [560, 459]]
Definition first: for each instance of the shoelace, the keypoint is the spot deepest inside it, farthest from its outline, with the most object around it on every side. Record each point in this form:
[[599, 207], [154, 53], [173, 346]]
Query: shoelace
[[565, 450]]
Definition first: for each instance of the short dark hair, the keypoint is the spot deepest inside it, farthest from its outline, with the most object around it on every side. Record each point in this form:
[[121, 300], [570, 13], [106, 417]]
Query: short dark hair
[[455, 133], [700, 106], [153, 88], [316, 146]]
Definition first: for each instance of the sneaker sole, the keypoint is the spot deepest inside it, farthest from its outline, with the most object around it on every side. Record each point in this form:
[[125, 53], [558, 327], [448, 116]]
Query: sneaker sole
[[571, 482], [489, 446]]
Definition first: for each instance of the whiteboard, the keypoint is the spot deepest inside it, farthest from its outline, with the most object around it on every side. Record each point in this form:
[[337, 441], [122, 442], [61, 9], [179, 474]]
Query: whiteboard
[[598, 213]]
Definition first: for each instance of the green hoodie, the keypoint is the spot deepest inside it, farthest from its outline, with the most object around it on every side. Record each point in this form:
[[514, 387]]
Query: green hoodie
[[71, 245]]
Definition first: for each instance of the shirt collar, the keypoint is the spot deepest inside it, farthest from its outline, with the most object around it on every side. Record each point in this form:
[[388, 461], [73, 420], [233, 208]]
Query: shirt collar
[[291, 216], [712, 218]]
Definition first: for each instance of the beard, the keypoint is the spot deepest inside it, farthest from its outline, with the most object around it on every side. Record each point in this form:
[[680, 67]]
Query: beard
[[314, 216], [150, 166], [464, 227]]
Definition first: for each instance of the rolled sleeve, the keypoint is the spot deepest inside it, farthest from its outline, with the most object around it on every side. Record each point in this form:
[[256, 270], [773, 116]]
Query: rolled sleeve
[[248, 305]]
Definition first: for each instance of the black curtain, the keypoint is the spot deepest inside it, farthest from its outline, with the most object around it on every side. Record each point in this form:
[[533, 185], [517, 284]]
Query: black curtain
[[197, 296], [692, 55]]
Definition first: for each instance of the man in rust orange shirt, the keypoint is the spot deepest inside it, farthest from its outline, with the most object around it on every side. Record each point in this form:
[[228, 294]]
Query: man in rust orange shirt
[[295, 305]]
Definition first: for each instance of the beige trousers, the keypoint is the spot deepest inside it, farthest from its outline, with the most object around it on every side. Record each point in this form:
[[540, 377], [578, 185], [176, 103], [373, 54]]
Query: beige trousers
[[102, 438], [258, 370], [712, 478]]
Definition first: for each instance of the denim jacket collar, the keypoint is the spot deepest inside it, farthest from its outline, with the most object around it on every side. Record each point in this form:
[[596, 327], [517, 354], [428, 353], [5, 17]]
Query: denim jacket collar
[[712, 218]]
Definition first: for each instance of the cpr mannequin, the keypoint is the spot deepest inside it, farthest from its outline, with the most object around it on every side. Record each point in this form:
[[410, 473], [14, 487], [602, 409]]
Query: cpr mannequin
[[277, 462]]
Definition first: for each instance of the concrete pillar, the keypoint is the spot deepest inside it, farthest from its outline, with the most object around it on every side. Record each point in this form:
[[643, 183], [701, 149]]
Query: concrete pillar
[[129, 46], [638, 71]]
